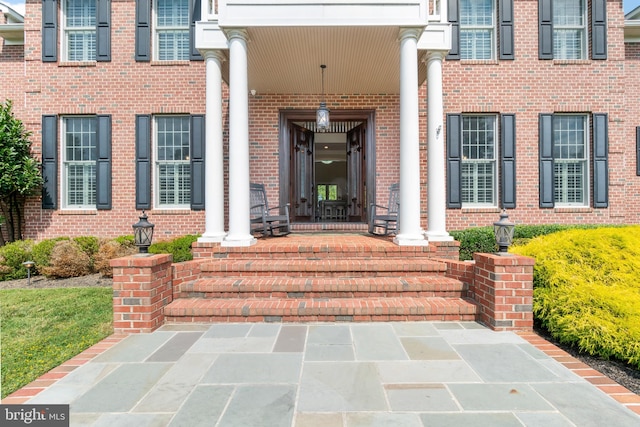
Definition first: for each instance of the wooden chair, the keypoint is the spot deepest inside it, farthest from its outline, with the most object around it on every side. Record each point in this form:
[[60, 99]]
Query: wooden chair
[[383, 220], [262, 220]]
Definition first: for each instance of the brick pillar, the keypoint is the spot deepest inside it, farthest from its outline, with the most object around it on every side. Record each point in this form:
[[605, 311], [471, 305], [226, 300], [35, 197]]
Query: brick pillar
[[142, 286], [503, 287]]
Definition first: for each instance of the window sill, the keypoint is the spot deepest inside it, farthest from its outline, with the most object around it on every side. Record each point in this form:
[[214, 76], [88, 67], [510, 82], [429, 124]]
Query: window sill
[[77, 64], [479, 62], [78, 212], [572, 62], [488, 209], [573, 209], [156, 63], [176, 211]]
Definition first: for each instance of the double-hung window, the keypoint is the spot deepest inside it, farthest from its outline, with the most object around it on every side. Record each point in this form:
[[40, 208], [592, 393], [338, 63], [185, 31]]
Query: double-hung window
[[481, 155], [572, 29], [569, 29], [79, 162], [477, 29], [479, 163], [172, 30], [571, 156], [481, 29], [172, 161], [79, 30], [574, 150]]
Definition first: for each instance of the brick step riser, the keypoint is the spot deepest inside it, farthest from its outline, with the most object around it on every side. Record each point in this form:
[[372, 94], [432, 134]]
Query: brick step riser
[[323, 318], [320, 255], [313, 274], [319, 295]]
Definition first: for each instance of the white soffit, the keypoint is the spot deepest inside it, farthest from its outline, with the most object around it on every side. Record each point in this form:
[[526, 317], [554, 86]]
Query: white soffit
[[359, 60]]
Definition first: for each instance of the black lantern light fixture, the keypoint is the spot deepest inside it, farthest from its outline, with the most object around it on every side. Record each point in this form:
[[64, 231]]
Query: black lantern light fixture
[[143, 233], [503, 230], [322, 114]]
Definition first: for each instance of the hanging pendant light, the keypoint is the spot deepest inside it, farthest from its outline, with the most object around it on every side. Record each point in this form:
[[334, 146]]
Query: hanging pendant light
[[322, 114]]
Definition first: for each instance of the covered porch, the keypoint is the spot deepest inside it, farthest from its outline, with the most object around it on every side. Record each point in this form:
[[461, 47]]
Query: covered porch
[[370, 48]]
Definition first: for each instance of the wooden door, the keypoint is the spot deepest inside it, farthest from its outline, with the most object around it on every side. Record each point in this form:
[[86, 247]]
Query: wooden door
[[301, 160], [355, 173]]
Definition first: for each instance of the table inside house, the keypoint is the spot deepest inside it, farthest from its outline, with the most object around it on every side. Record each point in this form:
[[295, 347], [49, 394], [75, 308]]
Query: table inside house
[[333, 210]]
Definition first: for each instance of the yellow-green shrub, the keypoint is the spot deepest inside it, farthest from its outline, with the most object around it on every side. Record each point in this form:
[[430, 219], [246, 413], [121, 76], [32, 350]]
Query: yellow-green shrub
[[587, 289]]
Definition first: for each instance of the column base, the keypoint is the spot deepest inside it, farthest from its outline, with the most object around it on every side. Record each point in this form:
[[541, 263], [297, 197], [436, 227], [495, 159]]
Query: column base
[[438, 236], [212, 237], [410, 240], [238, 241]]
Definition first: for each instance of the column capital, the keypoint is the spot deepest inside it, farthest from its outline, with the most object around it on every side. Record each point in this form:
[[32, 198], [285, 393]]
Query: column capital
[[237, 33], [433, 55], [406, 33], [213, 54]]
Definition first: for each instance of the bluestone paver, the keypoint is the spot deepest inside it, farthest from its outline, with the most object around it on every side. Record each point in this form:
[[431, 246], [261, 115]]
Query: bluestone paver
[[413, 374]]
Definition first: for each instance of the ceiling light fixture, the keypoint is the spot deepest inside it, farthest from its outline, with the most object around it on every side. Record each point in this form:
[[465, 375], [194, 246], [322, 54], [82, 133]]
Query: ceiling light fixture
[[322, 114]]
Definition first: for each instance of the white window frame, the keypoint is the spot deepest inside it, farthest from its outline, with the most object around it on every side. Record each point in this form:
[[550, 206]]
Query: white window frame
[[89, 199], [562, 51], [562, 165], [471, 53], [477, 162], [159, 30], [159, 163], [88, 52]]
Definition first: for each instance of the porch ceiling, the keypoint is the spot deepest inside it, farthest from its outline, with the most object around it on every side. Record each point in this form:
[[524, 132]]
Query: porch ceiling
[[362, 60]]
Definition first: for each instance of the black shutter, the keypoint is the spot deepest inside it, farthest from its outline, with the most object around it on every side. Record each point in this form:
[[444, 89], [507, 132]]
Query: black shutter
[[638, 150], [506, 30], [454, 161], [508, 151], [600, 161], [50, 162], [598, 29], [143, 30], [49, 30], [103, 162], [545, 29], [197, 162], [143, 162], [454, 19], [103, 30], [195, 13], [547, 199]]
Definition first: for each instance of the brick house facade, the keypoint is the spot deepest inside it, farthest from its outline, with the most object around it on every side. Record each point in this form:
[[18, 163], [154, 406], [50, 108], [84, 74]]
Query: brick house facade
[[512, 102]]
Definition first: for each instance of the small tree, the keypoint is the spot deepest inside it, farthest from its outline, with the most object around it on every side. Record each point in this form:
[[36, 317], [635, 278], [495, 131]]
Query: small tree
[[20, 174]]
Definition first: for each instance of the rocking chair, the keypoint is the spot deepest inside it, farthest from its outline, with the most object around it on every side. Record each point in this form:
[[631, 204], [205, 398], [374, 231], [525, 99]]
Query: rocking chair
[[383, 220], [262, 220]]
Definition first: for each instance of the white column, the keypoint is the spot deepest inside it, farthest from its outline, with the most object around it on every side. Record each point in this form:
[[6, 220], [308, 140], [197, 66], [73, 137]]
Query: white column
[[214, 161], [436, 194], [410, 233], [239, 199]]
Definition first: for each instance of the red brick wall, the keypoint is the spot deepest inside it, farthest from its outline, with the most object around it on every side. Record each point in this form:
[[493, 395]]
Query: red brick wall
[[525, 86]]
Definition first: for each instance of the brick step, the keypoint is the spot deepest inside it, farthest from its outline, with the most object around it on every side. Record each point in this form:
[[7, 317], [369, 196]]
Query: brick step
[[309, 246], [317, 287], [334, 267], [320, 310]]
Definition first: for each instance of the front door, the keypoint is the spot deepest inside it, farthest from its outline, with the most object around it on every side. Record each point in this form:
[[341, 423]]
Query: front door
[[298, 159], [302, 185], [355, 177]]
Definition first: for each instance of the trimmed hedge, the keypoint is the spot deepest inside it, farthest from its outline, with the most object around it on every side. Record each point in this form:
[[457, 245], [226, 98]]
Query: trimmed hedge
[[481, 239], [587, 289], [95, 253]]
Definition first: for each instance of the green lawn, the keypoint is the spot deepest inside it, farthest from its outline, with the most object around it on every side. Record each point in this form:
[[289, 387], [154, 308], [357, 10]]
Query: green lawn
[[41, 328]]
